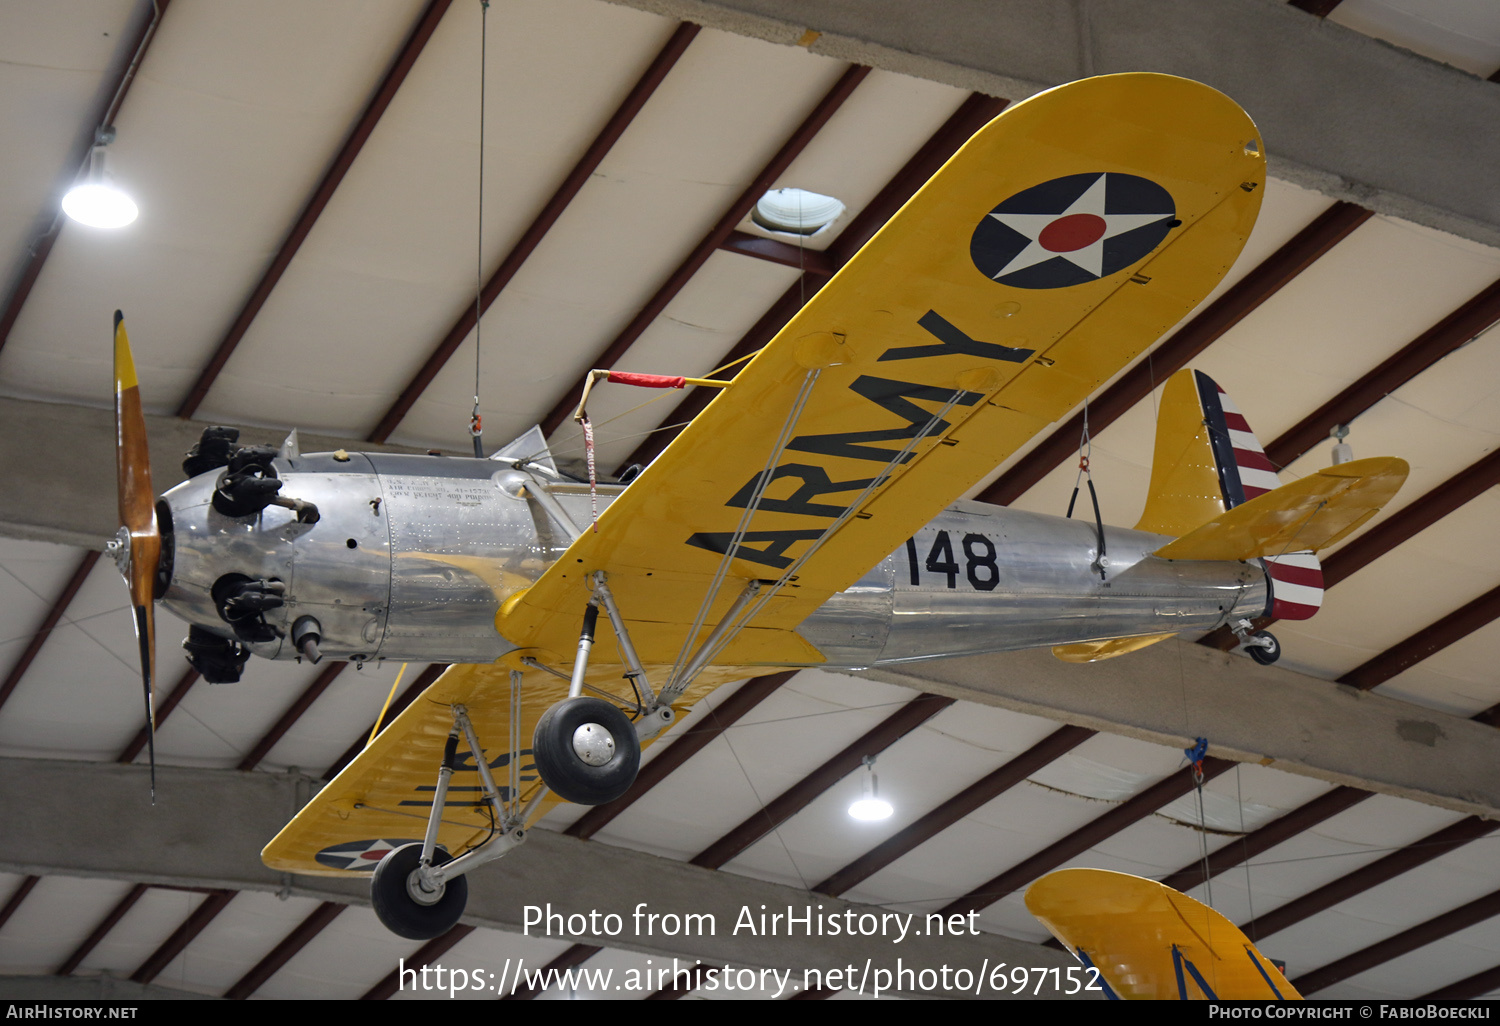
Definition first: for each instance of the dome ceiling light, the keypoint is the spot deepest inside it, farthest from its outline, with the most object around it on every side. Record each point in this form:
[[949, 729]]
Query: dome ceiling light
[[796, 212], [870, 806], [95, 201]]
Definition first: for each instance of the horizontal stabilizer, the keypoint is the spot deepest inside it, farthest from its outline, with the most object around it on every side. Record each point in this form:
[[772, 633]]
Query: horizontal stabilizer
[[1306, 515]]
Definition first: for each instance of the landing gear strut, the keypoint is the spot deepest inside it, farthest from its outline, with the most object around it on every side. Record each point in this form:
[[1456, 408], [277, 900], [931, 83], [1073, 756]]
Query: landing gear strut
[[586, 750], [418, 891], [1262, 645]]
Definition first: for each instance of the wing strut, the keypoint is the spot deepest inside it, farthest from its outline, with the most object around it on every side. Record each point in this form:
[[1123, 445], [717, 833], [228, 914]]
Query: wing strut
[[678, 682], [730, 626], [418, 890]]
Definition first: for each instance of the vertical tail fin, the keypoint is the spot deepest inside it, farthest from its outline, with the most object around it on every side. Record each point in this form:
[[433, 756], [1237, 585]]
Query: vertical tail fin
[[1208, 461]]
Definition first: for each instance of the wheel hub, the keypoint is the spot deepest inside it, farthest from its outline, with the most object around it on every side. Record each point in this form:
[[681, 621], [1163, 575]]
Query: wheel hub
[[593, 744], [419, 892]]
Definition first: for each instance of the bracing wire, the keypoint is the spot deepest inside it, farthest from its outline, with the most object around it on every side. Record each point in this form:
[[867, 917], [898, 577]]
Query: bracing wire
[[1245, 855], [475, 424]]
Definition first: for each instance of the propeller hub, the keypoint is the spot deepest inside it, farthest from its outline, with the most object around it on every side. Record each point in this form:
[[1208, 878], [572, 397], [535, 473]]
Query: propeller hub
[[118, 549]]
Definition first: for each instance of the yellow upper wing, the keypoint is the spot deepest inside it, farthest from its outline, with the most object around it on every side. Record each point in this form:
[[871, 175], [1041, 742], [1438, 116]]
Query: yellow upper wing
[[1056, 245], [1128, 928]]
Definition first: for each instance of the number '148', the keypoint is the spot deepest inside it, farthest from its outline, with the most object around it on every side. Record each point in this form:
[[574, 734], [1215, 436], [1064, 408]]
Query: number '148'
[[979, 565]]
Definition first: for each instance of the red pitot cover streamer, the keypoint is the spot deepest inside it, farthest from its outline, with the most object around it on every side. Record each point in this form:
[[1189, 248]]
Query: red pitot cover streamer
[[646, 380]]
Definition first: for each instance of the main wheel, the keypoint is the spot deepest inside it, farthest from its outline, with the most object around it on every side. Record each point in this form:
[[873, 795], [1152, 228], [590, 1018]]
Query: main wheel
[[1266, 655], [586, 751], [406, 907]]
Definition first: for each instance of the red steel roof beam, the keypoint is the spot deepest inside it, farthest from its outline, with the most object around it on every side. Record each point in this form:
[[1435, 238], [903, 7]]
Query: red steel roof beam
[[59, 606], [796, 798], [1330, 228], [125, 904], [687, 745], [697, 399], [532, 236], [1378, 872], [1418, 515], [184, 935], [1081, 840], [407, 696], [1476, 911], [428, 953], [1430, 639], [280, 955], [973, 114], [317, 687], [737, 212], [977, 110], [573, 956], [977, 794], [1257, 842], [303, 226], [809, 261], [1307, 816], [1401, 526], [17, 897], [1478, 985], [1454, 331], [177, 694], [42, 247]]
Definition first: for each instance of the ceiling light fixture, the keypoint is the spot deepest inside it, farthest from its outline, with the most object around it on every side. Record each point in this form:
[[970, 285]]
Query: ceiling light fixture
[[796, 212], [95, 201], [870, 805]]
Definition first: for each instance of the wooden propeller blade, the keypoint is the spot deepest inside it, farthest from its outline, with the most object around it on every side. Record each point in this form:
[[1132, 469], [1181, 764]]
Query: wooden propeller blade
[[138, 517]]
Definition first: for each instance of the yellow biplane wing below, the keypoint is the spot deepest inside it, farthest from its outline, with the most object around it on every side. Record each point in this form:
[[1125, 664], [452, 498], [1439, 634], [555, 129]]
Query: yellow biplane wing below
[[1149, 941], [382, 799], [1052, 249]]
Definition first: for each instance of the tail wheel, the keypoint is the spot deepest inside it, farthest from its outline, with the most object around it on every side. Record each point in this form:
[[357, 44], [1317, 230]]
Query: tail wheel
[[1267, 652], [407, 908], [586, 751]]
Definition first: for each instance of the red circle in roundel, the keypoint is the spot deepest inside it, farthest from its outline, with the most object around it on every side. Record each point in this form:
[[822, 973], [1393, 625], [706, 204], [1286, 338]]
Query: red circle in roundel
[[1072, 232]]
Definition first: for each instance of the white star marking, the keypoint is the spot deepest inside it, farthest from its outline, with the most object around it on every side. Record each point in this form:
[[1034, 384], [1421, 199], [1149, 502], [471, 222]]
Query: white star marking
[[356, 856], [1090, 257]]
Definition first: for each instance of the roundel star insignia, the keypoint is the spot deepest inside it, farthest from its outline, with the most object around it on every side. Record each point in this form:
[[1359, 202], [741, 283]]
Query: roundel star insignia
[[360, 856], [1072, 230]]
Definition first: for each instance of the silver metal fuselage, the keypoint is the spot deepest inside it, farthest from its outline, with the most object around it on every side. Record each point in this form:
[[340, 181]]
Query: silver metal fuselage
[[413, 554]]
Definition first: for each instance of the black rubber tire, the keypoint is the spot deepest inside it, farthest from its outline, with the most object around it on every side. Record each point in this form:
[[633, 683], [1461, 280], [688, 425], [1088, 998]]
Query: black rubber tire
[[1266, 656], [564, 772], [399, 911]]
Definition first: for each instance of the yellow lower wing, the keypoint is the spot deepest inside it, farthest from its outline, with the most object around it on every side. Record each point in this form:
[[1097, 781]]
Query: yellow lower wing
[[1149, 941], [383, 798], [1052, 249], [1307, 515], [1094, 651]]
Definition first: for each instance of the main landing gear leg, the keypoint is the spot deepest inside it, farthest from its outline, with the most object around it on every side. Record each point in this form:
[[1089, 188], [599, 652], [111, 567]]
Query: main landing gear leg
[[419, 891], [1262, 645], [586, 750]]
